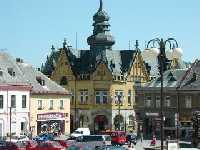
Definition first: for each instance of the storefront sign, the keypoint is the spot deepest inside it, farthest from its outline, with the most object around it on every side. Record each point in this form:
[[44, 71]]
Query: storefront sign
[[51, 116]]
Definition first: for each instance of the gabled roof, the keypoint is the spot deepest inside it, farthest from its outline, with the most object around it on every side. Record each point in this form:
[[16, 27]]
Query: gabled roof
[[191, 79], [171, 78], [26, 74]]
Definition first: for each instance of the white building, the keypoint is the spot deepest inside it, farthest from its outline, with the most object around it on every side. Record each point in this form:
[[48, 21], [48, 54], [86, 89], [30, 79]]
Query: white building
[[14, 94], [14, 106]]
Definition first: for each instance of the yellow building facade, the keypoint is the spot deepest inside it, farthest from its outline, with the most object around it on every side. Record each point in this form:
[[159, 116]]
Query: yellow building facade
[[101, 80], [49, 113]]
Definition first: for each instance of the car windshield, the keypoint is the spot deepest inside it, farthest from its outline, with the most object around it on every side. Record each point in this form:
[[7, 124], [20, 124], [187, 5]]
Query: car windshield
[[78, 132]]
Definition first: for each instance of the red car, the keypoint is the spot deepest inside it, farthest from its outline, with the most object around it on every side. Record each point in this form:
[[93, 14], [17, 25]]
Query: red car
[[5, 145], [63, 143], [49, 145], [117, 137], [31, 145]]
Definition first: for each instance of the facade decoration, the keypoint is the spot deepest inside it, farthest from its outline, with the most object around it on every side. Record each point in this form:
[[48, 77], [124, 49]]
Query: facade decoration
[[102, 81]]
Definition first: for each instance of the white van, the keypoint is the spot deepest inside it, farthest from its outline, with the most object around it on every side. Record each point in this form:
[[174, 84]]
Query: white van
[[80, 131]]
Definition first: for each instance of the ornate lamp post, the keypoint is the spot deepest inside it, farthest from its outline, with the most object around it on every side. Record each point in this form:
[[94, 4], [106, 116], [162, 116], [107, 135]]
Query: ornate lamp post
[[119, 103], [163, 66]]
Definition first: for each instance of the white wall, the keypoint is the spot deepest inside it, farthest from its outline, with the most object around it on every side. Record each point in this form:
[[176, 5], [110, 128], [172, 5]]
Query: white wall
[[18, 115]]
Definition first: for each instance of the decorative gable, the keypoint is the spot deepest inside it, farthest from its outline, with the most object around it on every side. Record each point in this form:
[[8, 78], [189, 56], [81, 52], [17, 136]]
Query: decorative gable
[[63, 72], [102, 73]]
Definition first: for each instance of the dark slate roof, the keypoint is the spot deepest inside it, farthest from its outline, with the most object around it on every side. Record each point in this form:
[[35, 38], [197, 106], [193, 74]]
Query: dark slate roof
[[117, 61], [25, 73], [191, 79], [171, 78]]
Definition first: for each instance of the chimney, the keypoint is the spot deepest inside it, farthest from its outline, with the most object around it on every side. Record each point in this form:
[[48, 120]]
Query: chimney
[[19, 60]]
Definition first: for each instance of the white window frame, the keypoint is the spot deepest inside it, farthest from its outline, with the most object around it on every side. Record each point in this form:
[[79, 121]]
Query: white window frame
[[25, 101], [129, 97], [117, 93], [148, 102], [39, 104], [188, 101], [51, 104], [84, 96], [2, 99], [62, 102], [167, 101], [158, 99], [103, 97]]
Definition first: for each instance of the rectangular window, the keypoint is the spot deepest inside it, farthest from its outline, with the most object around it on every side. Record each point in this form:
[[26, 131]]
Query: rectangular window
[[157, 101], [61, 104], [129, 97], [101, 97], [22, 126], [105, 97], [167, 101], [1, 101], [51, 104], [148, 101], [13, 101], [84, 97], [119, 97], [23, 101], [188, 101], [39, 104], [72, 98], [98, 98]]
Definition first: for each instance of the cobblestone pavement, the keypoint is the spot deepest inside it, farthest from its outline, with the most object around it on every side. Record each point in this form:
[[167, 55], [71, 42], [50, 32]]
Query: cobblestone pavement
[[145, 143]]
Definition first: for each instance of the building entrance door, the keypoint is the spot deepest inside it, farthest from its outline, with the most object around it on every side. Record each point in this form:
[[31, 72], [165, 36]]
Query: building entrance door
[[100, 123]]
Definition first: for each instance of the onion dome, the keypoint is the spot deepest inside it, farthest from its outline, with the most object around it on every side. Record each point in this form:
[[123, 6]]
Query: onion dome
[[101, 38]]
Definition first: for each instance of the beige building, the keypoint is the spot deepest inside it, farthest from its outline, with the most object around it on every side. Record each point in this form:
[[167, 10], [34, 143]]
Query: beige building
[[44, 106], [49, 103]]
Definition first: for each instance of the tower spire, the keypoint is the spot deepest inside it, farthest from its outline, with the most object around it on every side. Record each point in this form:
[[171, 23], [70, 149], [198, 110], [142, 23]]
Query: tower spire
[[101, 5]]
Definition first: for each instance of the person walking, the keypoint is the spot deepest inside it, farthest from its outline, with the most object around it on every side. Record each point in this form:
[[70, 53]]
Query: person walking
[[141, 137]]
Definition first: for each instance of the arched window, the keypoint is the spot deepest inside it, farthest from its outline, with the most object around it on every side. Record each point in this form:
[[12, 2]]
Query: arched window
[[63, 81]]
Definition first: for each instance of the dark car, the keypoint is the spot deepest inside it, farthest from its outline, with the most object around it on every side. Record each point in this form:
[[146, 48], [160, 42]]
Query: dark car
[[5, 145], [131, 138]]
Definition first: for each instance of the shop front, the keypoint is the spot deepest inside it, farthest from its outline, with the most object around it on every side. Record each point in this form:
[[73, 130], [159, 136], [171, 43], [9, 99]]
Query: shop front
[[51, 123]]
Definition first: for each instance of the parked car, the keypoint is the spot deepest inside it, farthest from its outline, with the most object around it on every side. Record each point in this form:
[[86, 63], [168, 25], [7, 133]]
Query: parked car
[[93, 141], [31, 145], [63, 143], [110, 147], [44, 137], [49, 145], [117, 137], [80, 131], [5, 145]]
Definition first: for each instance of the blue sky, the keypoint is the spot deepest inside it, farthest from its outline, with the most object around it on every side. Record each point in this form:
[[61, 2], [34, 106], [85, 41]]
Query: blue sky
[[28, 28]]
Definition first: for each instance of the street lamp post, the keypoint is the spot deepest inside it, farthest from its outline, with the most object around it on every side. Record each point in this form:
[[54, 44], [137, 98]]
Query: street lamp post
[[119, 103], [163, 66]]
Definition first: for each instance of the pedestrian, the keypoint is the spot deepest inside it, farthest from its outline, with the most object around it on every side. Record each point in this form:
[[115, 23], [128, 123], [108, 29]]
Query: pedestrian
[[141, 137]]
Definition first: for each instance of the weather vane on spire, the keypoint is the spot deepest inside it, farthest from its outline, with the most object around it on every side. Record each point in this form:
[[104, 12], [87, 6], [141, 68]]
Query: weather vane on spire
[[101, 5]]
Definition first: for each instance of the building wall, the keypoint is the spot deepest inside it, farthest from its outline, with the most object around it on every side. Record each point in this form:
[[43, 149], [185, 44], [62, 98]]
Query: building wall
[[18, 115], [100, 79], [45, 98]]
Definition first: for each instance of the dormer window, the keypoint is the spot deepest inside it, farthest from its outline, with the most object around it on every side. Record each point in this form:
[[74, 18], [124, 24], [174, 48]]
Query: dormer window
[[40, 80], [63, 80], [11, 72]]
